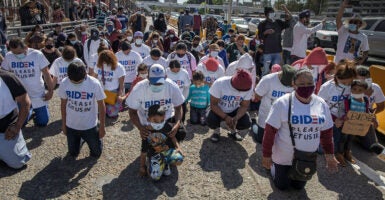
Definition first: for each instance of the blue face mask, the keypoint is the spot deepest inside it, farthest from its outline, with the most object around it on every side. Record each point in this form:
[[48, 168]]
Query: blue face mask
[[73, 42], [20, 56], [352, 27], [156, 88]]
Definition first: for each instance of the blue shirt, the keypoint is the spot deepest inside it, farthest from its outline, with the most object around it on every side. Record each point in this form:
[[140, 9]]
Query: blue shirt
[[223, 55], [200, 97], [357, 106]]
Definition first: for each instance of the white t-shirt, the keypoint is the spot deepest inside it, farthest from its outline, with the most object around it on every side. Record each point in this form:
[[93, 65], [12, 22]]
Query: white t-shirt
[[270, 89], [210, 76], [59, 68], [349, 45], [219, 59], [111, 77], [93, 61], [234, 67], [130, 63], [199, 48], [377, 95], [229, 98], [184, 62], [148, 61], [94, 45], [181, 79], [307, 121], [300, 35], [82, 106], [143, 50], [334, 96], [141, 98], [28, 70]]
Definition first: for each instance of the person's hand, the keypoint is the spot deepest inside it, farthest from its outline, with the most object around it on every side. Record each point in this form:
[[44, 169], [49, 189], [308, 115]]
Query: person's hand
[[269, 31], [266, 162], [102, 132], [173, 131], [331, 163], [339, 122], [64, 129], [180, 151], [48, 95], [120, 99], [345, 3], [375, 122], [369, 92], [143, 133], [235, 121], [229, 122], [11, 132]]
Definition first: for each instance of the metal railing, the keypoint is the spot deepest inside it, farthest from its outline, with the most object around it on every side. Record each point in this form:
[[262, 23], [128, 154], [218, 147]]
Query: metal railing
[[67, 27]]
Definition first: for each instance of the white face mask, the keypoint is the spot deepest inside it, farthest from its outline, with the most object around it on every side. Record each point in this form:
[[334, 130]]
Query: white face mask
[[157, 126], [129, 38], [171, 36], [143, 76], [138, 41], [155, 41], [214, 53], [271, 16], [358, 96]]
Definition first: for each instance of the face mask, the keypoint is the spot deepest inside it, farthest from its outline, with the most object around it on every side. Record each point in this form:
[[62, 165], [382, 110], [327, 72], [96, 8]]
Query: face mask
[[84, 33], [369, 81], [73, 42], [20, 56], [214, 53], [305, 92], [180, 55], [157, 126], [352, 27], [155, 41], [156, 88], [143, 76], [138, 41], [358, 96], [171, 36], [209, 41], [271, 16], [49, 46], [129, 38]]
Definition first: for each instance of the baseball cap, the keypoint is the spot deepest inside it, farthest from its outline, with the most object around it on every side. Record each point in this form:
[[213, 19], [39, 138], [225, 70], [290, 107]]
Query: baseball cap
[[156, 74], [138, 34]]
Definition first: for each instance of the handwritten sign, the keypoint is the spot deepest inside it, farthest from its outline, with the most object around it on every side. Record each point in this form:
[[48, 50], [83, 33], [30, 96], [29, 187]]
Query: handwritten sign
[[357, 123]]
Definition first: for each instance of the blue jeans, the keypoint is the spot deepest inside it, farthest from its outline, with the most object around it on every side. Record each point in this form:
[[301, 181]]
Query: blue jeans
[[269, 60], [286, 57], [90, 136], [41, 115], [197, 115], [14, 152]]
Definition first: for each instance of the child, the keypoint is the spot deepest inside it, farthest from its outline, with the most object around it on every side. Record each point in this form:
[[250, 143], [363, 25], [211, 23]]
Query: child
[[80, 93], [161, 149], [199, 97], [358, 102]]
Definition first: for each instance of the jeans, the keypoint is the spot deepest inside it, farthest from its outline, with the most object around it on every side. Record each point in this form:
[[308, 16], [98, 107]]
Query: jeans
[[214, 121], [41, 115], [14, 152], [280, 174], [90, 136], [197, 115], [269, 60], [286, 57]]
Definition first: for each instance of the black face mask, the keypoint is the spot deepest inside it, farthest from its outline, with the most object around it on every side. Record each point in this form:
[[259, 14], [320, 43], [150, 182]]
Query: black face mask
[[49, 46], [180, 55], [195, 44]]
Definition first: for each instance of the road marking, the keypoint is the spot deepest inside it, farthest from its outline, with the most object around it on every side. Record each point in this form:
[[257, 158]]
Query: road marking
[[370, 173]]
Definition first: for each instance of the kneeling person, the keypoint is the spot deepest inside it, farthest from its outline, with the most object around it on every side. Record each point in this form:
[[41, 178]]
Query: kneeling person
[[162, 149], [81, 99]]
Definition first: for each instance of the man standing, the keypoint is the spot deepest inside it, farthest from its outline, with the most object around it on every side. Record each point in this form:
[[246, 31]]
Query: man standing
[[301, 33], [186, 19], [13, 150], [269, 31], [30, 65], [197, 23], [91, 46], [350, 41], [122, 18], [287, 41]]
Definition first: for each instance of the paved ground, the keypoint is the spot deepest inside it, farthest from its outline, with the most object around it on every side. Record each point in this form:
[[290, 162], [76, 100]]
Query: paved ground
[[229, 169]]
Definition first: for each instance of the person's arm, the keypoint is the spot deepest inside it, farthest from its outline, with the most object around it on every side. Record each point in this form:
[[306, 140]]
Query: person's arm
[[121, 89], [244, 106], [361, 60], [340, 14], [63, 106], [326, 140], [135, 120], [178, 119], [267, 145], [288, 13], [49, 82], [24, 105], [102, 118]]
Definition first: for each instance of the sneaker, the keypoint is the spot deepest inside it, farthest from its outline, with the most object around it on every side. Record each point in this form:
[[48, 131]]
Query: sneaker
[[254, 128], [349, 157], [235, 136], [215, 137], [167, 170], [340, 158]]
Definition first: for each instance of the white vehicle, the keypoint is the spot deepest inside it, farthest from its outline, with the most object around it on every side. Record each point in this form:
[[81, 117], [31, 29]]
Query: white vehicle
[[327, 37], [241, 24]]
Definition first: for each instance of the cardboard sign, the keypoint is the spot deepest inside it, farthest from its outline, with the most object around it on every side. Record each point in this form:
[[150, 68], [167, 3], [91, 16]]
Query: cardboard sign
[[358, 123]]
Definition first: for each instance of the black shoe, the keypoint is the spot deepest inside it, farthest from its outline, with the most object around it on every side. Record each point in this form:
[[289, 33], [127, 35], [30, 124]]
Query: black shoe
[[214, 137], [377, 148], [235, 136]]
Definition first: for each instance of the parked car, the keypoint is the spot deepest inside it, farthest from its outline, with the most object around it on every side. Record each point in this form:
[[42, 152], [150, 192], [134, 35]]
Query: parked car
[[375, 30], [327, 37], [253, 25], [241, 25]]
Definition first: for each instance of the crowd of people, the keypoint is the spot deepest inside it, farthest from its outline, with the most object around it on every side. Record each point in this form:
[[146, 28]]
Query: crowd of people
[[293, 110]]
